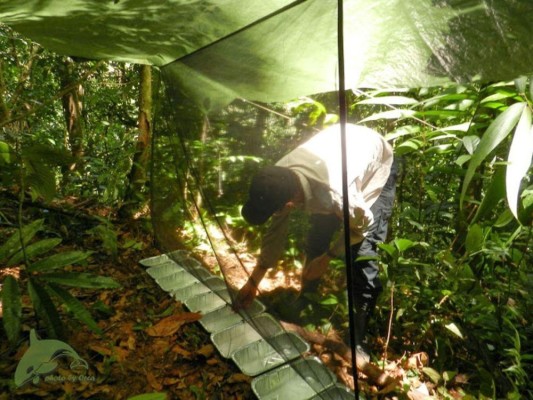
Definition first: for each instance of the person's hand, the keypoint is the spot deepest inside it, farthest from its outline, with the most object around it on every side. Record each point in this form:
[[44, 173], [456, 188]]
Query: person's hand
[[315, 268], [360, 220], [245, 296]]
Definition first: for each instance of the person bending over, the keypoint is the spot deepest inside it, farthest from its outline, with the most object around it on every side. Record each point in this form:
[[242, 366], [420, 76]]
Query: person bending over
[[310, 178]]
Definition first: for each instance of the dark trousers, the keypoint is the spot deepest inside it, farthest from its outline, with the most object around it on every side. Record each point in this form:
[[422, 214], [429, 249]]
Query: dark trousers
[[366, 283]]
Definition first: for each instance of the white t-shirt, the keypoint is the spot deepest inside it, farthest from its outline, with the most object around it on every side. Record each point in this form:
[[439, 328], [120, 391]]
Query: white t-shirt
[[318, 165]]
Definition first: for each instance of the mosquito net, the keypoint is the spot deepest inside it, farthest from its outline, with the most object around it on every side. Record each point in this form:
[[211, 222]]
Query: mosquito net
[[201, 174]]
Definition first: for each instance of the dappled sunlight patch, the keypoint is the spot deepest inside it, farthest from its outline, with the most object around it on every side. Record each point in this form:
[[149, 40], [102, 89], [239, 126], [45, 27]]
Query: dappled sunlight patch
[[12, 271]]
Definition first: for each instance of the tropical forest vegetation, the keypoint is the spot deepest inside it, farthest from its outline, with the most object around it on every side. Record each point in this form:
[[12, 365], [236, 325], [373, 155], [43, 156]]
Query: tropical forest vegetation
[[100, 169]]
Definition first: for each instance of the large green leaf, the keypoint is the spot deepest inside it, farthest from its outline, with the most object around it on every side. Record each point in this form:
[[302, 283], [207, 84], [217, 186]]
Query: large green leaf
[[42, 183], [519, 160], [499, 95], [34, 249], [12, 308], [432, 374], [403, 244], [75, 307], [41, 154], [495, 192], [392, 114], [389, 249], [45, 309], [81, 280], [390, 100], [108, 236], [474, 239], [407, 146], [5, 153], [59, 260], [526, 213], [13, 244], [521, 84], [452, 327], [496, 132], [40, 160]]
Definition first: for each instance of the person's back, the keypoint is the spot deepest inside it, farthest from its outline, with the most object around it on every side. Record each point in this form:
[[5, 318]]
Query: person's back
[[319, 162]]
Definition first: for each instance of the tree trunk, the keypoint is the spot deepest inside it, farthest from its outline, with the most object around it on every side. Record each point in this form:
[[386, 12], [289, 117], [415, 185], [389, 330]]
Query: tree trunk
[[72, 109], [4, 110], [138, 174], [254, 142]]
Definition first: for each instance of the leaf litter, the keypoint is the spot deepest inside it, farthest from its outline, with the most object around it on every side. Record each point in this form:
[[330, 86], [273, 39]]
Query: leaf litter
[[150, 344]]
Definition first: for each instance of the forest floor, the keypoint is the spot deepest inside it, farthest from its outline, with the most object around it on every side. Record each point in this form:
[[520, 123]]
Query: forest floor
[[151, 343]]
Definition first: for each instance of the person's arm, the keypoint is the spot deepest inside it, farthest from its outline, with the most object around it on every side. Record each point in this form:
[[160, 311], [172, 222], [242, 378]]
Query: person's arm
[[248, 292], [316, 267], [272, 245], [361, 218], [318, 248], [274, 240]]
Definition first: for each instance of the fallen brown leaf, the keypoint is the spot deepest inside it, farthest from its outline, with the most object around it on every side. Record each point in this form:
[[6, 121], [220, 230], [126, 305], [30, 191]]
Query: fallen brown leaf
[[160, 346], [206, 350], [153, 381], [131, 342], [417, 360], [238, 378], [103, 350], [181, 351], [124, 299], [390, 387], [118, 352], [170, 325], [170, 381]]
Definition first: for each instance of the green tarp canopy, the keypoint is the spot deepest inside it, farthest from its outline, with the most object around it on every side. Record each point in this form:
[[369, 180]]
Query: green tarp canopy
[[277, 50]]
